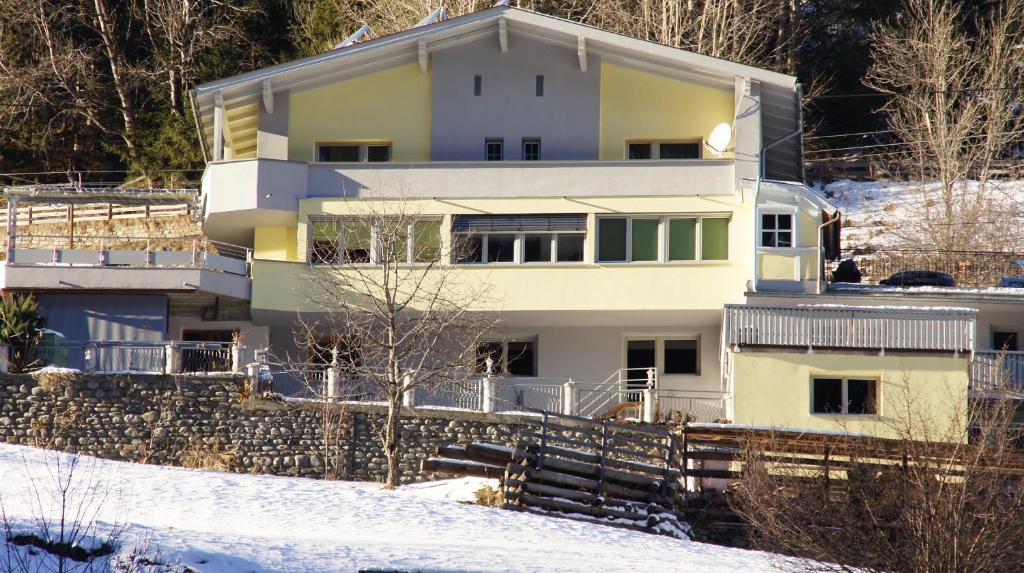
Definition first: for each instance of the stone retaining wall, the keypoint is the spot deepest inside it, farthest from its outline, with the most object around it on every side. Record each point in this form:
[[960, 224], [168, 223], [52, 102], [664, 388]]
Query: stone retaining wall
[[212, 422]]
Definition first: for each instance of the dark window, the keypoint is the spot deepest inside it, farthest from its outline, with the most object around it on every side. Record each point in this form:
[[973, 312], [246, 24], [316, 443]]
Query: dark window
[[522, 358], [494, 149], [1004, 341], [681, 357], [776, 230], [487, 350], [679, 151], [540, 86], [639, 150], [338, 153], [531, 150], [378, 153], [860, 397], [469, 249], [640, 356], [570, 248], [478, 84], [828, 396], [611, 239], [537, 248], [501, 248]]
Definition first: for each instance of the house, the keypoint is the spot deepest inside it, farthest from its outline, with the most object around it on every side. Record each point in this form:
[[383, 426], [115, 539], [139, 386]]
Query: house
[[621, 197]]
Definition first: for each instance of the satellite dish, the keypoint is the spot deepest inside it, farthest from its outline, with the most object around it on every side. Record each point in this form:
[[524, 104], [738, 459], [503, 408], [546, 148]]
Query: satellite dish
[[720, 137]]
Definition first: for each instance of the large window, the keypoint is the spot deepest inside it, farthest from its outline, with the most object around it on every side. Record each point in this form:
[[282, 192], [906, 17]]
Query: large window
[[509, 357], [662, 239], [844, 396], [359, 241], [669, 355], [662, 150], [353, 152], [518, 239], [777, 230]]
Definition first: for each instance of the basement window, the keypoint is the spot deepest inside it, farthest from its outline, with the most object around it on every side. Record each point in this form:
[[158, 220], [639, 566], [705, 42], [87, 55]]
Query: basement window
[[353, 152], [664, 150], [844, 396]]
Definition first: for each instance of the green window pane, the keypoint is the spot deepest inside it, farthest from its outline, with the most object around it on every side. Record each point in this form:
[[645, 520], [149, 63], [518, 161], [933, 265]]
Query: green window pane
[[357, 241], [325, 230], [612, 243], [427, 241], [645, 239], [682, 240], [714, 239]]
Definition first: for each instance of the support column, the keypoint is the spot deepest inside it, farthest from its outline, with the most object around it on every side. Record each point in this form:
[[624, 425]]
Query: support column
[[569, 394], [172, 356], [5, 355], [332, 389], [488, 390], [12, 227], [408, 393], [649, 397], [236, 357]]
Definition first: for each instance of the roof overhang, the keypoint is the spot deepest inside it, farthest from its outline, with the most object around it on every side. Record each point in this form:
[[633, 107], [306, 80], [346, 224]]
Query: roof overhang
[[241, 95]]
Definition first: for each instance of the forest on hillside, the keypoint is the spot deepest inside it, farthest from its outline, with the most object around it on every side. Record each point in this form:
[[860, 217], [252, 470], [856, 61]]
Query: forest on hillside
[[100, 87]]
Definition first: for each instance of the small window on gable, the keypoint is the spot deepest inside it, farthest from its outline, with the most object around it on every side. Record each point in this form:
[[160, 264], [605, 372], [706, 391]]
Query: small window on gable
[[478, 84], [494, 149], [540, 85], [777, 230]]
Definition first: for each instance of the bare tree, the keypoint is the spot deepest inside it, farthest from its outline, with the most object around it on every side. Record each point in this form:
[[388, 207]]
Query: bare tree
[[389, 310], [929, 500], [953, 107]]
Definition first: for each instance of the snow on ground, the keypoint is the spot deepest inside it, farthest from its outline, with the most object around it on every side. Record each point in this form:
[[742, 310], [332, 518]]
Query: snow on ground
[[219, 523]]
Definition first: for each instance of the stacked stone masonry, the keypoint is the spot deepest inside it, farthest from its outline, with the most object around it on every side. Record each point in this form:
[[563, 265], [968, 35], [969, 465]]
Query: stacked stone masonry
[[213, 422]]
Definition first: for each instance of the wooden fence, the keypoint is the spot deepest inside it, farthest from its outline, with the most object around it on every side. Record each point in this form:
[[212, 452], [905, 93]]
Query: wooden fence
[[76, 213]]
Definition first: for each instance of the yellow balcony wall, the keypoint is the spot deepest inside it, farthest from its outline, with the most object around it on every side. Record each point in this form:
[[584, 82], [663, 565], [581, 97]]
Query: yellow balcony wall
[[388, 106], [639, 105], [774, 389], [275, 244]]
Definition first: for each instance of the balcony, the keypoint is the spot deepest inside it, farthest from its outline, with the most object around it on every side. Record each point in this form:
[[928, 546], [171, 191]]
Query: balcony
[[154, 264], [267, 191], [971, 269], [995, 369]]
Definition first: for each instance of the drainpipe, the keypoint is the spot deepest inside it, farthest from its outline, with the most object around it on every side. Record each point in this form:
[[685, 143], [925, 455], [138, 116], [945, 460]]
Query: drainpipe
[[821, 263], [757, 190]]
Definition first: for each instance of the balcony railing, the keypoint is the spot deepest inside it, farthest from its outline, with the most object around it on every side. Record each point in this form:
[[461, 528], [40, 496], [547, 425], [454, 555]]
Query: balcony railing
[[130, 252], [158, 357], [867, 328], [973, 269], [996, 369]]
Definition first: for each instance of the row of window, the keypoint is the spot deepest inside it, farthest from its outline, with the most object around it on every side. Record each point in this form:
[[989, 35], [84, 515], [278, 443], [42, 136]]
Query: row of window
[[494, 150], [619, 239]]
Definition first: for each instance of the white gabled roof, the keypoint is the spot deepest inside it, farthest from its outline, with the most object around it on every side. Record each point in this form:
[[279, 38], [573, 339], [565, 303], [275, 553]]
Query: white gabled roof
[[240, 93]]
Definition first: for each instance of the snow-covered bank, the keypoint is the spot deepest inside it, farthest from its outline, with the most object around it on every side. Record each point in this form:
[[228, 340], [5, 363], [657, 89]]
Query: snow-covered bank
[[219, 523]]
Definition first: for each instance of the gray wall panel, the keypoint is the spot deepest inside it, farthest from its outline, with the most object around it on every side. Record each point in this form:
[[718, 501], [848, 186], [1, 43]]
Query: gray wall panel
[[566, 117], [106, 317]]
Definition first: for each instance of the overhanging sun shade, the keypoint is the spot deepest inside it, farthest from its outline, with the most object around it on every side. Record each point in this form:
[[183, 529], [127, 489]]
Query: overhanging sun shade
[[517, 223]]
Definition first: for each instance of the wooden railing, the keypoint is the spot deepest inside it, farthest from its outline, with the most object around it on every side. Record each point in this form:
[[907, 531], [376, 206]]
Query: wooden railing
[[973, 269], [868, 328], [997, 369], [77, 213]]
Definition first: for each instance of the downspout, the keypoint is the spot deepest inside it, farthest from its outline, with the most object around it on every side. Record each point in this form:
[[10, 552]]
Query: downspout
[[757, 191], [821, 263]]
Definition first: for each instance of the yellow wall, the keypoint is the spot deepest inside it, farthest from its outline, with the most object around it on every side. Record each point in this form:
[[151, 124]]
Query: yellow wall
[[774, 388], [275, 243], [392, 105], [568, 287], [640, 105]]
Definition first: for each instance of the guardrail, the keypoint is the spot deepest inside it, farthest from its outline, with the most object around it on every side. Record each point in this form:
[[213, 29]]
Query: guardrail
[[997, 369], [78, 213], [130, 252], [170, 357], [975, 269], [868, 328]]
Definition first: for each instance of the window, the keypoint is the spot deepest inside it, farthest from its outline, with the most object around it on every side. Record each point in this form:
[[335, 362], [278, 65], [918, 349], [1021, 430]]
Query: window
[[320, 353], [478, 84], [518, 239], [511, 358], [531, 149], [665, 239], [666, 150], [353, 152], [540, 86], [494, 149], [844, 396], [352, 240], [776, 229], [680, 357], [1004, 341]]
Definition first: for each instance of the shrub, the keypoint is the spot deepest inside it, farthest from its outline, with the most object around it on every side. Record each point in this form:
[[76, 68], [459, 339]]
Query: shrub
[[21, 328]]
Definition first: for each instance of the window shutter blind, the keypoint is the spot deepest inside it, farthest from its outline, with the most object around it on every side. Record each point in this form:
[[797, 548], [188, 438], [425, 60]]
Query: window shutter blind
[[516, 223]]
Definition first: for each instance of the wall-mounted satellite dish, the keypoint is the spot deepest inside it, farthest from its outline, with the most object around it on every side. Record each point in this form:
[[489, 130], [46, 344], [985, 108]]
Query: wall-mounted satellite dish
[[720, 137]]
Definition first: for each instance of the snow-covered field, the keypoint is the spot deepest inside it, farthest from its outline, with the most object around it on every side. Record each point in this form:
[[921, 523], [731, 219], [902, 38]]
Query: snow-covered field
[[219, 523]]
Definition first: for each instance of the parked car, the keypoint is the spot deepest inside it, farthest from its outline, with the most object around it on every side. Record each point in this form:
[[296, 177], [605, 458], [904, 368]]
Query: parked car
[[1011, 282], [920, 278]]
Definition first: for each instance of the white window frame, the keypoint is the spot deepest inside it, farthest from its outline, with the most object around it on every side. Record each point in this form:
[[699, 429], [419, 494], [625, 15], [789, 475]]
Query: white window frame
[[663, 238], [502, 367], [374, 240], [519, 248], [656, 148], [846, 396], [794, 227], [530, 140], [363, 153], [659, 351], [494, 140]]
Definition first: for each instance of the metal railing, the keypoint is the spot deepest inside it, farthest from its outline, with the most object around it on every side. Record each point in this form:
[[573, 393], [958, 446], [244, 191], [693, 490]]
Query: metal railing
[[997, 369], [974, 269], [689, 406], [869, 328], [156, 357], [130, 252], [462, 394], [522, 395]]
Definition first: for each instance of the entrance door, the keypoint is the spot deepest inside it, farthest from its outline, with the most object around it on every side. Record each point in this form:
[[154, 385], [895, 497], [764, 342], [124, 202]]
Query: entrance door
[[640, 356]]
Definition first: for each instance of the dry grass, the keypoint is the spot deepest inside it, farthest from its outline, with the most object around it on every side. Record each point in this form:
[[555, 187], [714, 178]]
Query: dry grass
[[489, 496]]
